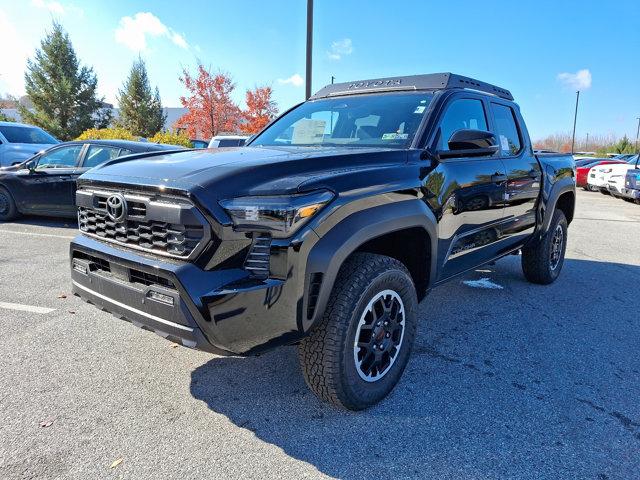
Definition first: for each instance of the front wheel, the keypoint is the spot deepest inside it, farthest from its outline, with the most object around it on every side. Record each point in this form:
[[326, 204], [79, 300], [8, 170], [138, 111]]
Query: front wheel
[[8, 210], [542, 262], [357, 353]]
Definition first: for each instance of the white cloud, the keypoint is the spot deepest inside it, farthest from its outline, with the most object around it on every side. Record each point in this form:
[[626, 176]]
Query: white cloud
[[53, 6], [296, 80], [581, 80], [179, 40], [340, 48], [133, 32]]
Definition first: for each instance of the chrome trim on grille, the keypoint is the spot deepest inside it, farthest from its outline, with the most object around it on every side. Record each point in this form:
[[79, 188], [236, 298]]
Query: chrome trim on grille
[[162, 225]]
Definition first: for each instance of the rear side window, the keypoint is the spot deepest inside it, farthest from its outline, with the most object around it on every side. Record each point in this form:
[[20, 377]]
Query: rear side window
[[18, 134], [461, 114], [98, 154], [507, 129]]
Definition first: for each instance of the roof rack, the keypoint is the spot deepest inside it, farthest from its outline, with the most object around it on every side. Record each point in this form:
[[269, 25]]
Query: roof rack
[[431, 81]]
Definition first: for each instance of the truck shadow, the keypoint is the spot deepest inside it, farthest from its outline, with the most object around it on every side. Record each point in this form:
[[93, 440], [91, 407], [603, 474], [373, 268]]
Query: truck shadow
[[523, 381]]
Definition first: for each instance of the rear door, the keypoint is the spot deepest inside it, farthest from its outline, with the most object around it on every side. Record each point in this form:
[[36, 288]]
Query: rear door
[[524, 174], [469, 191], [97, 154], [50, 186]]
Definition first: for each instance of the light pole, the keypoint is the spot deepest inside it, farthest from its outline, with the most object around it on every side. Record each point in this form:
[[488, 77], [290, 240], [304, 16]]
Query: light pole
[[637, 133], [309, 47], [575, 118]]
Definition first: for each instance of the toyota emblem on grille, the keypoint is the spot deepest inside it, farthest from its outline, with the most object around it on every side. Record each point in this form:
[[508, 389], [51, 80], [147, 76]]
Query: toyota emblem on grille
[[116, 207]]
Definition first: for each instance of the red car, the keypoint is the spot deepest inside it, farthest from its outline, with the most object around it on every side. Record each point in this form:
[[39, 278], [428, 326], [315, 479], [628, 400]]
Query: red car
[[582, 170]]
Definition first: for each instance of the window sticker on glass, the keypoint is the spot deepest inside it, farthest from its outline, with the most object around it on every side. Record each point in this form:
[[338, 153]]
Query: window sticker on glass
[[395, 136], [420, 109], [504, 144], [306, 131]]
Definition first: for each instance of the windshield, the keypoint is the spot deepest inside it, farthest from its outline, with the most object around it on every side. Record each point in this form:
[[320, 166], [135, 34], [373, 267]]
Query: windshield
[[18, 134], [387, 120], [633, 159]]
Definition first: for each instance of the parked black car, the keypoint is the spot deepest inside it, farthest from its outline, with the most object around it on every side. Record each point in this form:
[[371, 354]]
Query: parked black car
[[328, 228], [46, 183]]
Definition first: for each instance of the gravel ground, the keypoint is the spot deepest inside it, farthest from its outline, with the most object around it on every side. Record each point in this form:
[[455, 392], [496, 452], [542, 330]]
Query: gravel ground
[[522, 381]]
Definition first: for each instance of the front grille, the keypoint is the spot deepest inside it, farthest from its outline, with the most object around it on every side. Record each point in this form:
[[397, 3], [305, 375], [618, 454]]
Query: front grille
[[257, 261], [166, 226], [178, 240]]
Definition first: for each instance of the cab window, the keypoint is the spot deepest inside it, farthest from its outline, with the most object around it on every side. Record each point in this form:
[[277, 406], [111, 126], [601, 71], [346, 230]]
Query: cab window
[[507, 129], [461, 114]]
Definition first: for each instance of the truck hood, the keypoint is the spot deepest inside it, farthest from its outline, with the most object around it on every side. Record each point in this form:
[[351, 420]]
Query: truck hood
[[239, 170]]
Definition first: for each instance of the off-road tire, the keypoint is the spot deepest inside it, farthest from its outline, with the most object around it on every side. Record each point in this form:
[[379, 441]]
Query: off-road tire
[[8, 210], [327, 354], [537, 259]]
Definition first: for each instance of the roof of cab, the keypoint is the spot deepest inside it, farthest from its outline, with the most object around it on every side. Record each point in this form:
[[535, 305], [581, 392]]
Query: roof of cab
[[431, 81]]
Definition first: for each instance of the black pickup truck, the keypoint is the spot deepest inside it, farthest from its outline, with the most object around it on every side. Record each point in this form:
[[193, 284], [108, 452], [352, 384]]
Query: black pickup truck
[[327, 229]]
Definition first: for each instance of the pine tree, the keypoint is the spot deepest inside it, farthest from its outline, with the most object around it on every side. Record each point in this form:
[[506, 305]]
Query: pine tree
[[63, 92], [140, 109]]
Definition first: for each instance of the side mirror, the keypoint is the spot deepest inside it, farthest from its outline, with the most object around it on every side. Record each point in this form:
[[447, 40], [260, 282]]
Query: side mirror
[[470, 143]]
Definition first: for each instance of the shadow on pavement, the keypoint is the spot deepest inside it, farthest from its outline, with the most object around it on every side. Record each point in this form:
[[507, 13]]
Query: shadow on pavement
[[523, 382], [71, 223]]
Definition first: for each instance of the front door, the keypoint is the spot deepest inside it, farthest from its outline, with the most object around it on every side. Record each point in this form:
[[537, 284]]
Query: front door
[[48, 188], [468, 193]]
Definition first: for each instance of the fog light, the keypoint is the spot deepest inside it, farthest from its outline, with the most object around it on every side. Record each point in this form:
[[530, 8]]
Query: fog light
[[79, 267], [160, 297]]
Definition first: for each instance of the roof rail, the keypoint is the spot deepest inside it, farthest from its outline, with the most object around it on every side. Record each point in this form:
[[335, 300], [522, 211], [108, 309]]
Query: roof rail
[[431, 81]]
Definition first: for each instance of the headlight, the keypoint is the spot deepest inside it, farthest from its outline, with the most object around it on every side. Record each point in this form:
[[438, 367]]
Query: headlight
[[281, 216]]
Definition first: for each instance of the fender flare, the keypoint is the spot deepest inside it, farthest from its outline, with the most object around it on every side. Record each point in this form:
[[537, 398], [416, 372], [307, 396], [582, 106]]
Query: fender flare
[[549, 205], [330, 252]]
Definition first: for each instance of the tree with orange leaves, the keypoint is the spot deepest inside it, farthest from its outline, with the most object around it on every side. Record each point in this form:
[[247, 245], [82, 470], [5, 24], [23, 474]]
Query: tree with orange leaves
[[210, 107], [260, 110]]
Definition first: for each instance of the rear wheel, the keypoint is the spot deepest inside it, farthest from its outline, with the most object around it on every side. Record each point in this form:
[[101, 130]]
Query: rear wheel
[[8, 210], [542, 262], [357, 353]]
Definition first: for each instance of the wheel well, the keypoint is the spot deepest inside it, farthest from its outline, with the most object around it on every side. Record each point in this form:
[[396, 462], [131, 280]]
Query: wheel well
[[412, 247], [567, 203]]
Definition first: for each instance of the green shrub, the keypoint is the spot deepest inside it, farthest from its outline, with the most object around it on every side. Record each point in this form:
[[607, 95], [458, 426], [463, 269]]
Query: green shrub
[[107, 134], [172, 139]]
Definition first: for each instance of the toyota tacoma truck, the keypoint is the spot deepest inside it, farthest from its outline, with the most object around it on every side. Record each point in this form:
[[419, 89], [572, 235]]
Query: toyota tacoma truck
[[327, 229]]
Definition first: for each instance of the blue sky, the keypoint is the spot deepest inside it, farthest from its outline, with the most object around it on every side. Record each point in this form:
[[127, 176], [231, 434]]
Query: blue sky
[[542, 51]]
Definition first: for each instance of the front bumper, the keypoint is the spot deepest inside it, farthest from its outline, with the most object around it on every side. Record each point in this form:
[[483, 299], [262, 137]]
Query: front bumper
[[631, 193], [221, 311]]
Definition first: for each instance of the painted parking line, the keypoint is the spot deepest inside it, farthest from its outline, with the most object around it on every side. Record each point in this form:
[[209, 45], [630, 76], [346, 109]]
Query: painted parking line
[[25, 308], [34, 234]]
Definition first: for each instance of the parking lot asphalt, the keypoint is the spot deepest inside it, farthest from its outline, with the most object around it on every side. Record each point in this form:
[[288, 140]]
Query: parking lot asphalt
[[522, 381]]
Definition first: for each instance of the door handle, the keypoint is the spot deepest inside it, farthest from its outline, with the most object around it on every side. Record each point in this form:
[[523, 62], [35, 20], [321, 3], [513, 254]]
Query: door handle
[[498, 178]]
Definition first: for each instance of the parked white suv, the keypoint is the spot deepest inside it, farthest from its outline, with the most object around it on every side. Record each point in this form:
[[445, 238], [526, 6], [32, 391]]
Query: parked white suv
[[599, 176], [220, 141]]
